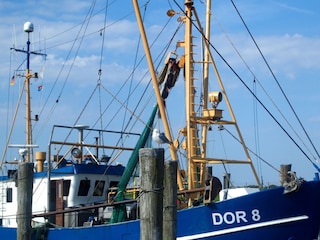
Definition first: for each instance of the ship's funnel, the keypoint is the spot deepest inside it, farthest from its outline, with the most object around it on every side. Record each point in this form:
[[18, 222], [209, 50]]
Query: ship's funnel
[[40, 158]]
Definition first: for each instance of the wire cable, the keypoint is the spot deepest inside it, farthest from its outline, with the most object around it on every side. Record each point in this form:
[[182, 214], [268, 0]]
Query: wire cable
[[275, 78], [252, 93]]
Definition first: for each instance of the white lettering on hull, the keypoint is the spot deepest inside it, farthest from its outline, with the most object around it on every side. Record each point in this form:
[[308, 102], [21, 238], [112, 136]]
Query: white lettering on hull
[[235, 217]]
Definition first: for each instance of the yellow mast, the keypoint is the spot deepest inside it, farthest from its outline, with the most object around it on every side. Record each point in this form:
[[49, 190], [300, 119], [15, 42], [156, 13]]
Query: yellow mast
[[196, 147], [190, 95], [28, 28], [28, 117], [197, 158], [156, 87], [203, 171]]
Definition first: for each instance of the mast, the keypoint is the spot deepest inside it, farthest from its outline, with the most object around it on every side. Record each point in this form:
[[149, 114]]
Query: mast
[[28, 27], [197, 123], [210, 115], [190, 98], [203, 172]]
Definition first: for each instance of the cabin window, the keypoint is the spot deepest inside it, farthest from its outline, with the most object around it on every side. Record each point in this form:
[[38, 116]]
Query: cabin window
[[84, 187], [98, 188], [66, 187], [9, 194], [112, 192], [12, 174], [113, 184]]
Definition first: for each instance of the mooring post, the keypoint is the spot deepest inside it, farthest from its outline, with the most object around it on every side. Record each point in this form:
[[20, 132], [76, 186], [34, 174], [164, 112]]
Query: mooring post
[[170, 200], [284, 177], [151, 199], [25, 189]]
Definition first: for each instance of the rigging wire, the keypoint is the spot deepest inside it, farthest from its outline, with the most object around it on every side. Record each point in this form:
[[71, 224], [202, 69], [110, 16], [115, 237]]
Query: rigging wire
[[79, 116], [121, 107], [87, 34], [77, 50], [68, 55], [254, 153], [132, 74], [162, 53], [103, 33], [12, 125], [9, 132], [225, 166], [77, 37], [114, 96], [8, 101], [261, 86], [252, 93], [90, 98], [87, 20], [276, 80], [256, 130], [124, 104], [70, 29]]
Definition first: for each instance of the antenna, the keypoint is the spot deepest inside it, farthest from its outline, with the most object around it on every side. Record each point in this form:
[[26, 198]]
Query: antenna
[[28, 28]]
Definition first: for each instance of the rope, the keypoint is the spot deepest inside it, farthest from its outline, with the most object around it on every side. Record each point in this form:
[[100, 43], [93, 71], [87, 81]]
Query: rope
[[154, 190]]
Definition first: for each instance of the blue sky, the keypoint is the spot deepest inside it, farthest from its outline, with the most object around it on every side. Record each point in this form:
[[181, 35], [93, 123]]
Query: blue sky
[[287, 33]]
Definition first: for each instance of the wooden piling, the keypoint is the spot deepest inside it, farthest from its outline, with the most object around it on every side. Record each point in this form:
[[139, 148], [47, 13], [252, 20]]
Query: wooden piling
[[151, 199], [25, 189], [284, 177], [170, 200]]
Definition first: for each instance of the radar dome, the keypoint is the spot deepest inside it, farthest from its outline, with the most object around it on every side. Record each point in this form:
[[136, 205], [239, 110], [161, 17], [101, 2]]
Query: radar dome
[[28, 27]]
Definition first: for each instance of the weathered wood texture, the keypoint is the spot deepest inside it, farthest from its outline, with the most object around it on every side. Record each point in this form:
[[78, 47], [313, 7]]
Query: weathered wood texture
[[151, 199], [25, 189], [170, 200]]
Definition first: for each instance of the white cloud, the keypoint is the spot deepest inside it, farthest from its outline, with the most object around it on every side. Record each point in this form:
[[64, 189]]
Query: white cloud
[[286, 54]]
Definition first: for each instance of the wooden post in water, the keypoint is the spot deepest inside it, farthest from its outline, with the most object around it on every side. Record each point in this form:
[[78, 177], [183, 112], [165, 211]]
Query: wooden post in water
[[25, 189], [170, 200], [151, 200]]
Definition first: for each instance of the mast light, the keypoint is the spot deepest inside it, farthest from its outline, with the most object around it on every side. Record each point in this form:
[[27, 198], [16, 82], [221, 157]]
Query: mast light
[[215, 98], [213, 113]]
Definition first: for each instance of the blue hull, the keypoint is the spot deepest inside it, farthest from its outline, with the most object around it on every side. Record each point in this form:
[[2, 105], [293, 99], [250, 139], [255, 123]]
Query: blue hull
[[267, 214]]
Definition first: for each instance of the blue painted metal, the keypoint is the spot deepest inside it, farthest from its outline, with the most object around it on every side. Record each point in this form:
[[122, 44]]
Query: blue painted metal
[[267, 214], [262, 207]]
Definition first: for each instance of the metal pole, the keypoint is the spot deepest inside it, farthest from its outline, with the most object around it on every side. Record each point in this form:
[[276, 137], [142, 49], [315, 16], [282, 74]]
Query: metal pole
[[28, 104]]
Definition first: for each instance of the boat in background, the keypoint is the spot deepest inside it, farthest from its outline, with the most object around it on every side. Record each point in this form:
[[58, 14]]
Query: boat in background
[[77, 193]]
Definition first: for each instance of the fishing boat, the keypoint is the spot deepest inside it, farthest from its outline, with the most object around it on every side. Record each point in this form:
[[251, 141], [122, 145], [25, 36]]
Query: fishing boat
[[82, 193]]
